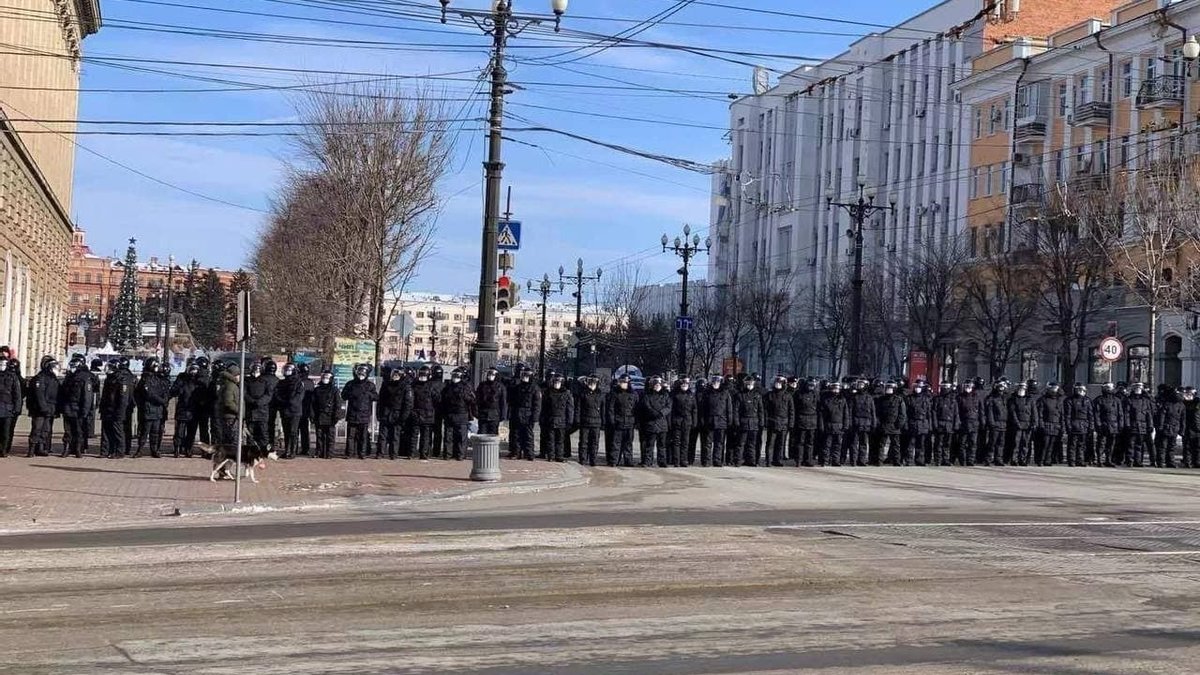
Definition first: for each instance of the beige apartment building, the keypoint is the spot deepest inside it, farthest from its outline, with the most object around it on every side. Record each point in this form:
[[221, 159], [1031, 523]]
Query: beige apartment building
[[445, 324], [1079, 109], [39, 78]]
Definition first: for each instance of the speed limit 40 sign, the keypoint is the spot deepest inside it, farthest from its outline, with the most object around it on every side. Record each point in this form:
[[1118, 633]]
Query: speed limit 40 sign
[[1111, 349]]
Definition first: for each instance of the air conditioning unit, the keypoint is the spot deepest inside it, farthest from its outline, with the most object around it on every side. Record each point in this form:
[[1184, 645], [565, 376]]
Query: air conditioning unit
[[919, 113], [1020, 158]]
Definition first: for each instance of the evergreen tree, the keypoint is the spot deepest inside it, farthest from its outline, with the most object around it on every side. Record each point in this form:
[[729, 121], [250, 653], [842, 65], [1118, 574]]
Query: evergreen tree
[[191, 286], [125, 330], [241, 281], [208, 314]]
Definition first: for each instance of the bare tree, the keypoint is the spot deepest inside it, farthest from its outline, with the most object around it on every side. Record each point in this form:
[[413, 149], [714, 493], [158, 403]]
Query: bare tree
[[1001, 306], [767, 300], [384, 152], [833, 319], [1146, 228], [930, 297], [1071, 269], [708, 332], [800, 342]]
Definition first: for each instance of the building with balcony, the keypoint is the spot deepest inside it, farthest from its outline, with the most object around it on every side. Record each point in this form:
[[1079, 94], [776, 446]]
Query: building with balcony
[[883, 110], [1093, 104], [43, 41]]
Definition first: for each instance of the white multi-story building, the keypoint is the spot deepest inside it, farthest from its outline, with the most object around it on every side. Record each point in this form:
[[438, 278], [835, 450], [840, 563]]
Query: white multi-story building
[[883, 112]]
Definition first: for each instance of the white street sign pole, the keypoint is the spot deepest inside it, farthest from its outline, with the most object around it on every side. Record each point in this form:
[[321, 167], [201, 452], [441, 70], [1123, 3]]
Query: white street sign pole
[[243, 334]]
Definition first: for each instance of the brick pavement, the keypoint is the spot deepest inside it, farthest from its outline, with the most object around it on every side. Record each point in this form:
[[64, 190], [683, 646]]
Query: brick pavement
[[49, 492]]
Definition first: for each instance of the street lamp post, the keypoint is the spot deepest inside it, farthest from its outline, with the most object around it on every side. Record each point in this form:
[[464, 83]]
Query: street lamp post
[[500, 23], [578, 280], [433, 337], [544, 288], [859, 211], [686, 249], [166, 357]]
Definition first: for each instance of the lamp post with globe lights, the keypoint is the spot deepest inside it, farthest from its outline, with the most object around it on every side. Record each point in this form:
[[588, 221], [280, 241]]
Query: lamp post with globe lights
[[501, 23], [687, 249], [860, 210]]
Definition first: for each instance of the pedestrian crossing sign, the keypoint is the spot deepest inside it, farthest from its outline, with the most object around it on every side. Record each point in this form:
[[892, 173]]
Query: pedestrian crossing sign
[[508, 238]]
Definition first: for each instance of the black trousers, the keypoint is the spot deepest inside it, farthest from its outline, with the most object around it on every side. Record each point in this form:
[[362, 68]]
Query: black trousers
[[389, 438], [943, 448], [6, 426], [358, 439], [654, 451], [776, 446], [1076, 446], [439, 437], [422, 439], [750, 446], [522, 435], [1164, 451], [41, 435], [114, 437], [150, 431], [185, 436], [890, 453], [305, 446], [1021, 446], [917, 451], [489, 427], [272, 420], [859, 443], [1191, 451], [324, 441], [1049, 448], [804, 447], [554, 443], [129, 431], [622, 447], [1106, 448], [89, 430], [1138, 443], [967, 446], [291, 435], [74, 436], [202, 427], [258, 432], [712, 447], [996, 441], [677, 446], [589, 445], [457, 431]]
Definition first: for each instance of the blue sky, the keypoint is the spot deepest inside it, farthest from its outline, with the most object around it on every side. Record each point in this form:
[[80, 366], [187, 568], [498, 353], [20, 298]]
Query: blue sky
[[575, 199]]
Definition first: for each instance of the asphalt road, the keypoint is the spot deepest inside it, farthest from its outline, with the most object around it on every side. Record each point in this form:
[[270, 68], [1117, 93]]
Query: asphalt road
[[681, 571]]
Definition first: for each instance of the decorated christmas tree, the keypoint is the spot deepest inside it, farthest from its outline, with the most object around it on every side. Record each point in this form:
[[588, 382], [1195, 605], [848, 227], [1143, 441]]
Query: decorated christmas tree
[[125, 331]]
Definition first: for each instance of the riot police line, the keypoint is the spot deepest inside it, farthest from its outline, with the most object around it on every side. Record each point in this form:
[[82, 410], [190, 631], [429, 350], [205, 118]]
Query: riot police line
[[717, 421]]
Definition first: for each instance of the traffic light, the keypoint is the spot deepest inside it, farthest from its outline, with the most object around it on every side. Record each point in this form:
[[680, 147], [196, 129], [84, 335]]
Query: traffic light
[[506, 294]]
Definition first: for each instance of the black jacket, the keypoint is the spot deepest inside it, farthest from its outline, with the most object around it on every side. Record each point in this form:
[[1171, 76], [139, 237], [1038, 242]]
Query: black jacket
[[1110, 413], [714, 409], [589, 409], [862, 411], [272, 383], [778, 410], [1139, 413], [683, 410], [326, 405], [892, 414], [970, 411], [358, 395], [491, 401], [75, 394], [920, 413], [1077, 411], [41, 397], [395, 402], [654, 412], [620, 409], [151, 395], [945, 412], [1191, 418], [558, 408], [458, 402], [258, 399], [995, 411], [834, 414], [290, 394], [1022, 413], [806, 409], [525, 404], [1169, 418], [116, 396], [10, 393], [1050, 413], [424, 402], [188, 393], [748, 411]]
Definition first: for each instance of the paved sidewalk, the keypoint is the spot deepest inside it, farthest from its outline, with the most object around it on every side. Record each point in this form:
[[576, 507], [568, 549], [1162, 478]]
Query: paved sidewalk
[[89, 493]]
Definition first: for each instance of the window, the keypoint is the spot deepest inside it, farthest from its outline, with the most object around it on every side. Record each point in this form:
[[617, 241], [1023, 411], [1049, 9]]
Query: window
[[933, 155], [75, 277], [911, 156], [1101, 161], [949, 147], [921, 158], [555, 324], [1060, 170], [1083, 90], [973, 242], [783, 247], [1139, 364], [987, 182], [973, 186], [978, 122], [1005, 111], [1124, 157], [1151, 67], [1005, 178], [1105, 85], [506, 333], [1063, 100], [420, 315], [993, 118], [1127, 79], [1029, 364], [1100, 371]]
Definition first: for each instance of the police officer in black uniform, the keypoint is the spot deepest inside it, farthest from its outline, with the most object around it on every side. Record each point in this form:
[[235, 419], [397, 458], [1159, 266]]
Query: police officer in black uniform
[[274, 404], [424, 413], [524, 411], [75, 403], [683, 421], [359, 393], [325, 409], [654, 416], [458, 409], [41, 399], [491, 401], [589, 419], [257, 405], [395, 407], [116, 400], [780, 416], [289, 401], [306, 409], [621, 417], [190, 398], [10, 403]]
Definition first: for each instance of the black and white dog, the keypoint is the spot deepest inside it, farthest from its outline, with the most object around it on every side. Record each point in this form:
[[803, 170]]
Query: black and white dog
[[223, 459]]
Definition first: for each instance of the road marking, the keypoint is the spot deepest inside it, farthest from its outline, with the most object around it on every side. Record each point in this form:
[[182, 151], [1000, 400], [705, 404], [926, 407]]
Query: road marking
[[1087, 523], [227, 602]]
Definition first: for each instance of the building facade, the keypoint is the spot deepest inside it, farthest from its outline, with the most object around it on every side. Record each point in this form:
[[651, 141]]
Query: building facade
[[1085, 108], [883, 114], [444, 328], [94, 282], [41, 77]]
